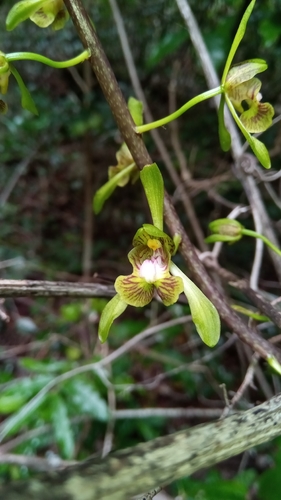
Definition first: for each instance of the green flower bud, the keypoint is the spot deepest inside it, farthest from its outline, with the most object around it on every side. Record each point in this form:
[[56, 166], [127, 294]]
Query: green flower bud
[[228, 230]]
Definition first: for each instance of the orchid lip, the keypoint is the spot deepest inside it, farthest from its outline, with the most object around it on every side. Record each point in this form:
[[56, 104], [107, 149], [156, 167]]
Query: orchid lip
[[153, 269]]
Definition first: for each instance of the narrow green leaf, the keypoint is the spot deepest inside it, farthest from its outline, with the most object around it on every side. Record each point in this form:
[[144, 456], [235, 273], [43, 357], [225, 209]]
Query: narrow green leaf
[[26, 99], [22, 11], [224, 135], [136, 110], [61, 424], [237, 39], [153, 184], [203, 312], [113, 309], [108, 188]]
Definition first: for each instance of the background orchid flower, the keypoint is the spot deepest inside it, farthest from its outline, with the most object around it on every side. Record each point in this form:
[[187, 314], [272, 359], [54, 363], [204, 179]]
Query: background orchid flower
[[241, 87], [44, 13], [154, 273], [238, 86], [126, 169]]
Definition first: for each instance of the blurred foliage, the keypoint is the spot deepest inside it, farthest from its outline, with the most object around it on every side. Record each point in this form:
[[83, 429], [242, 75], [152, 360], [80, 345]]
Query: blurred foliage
[[42, 236]]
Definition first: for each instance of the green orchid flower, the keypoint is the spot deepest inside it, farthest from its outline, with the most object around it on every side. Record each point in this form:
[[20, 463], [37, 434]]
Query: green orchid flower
[[126, 169], [44, 13], [240, 88], [150, 259], [118, 175], [155, 274], [124, 160], [242, 95]]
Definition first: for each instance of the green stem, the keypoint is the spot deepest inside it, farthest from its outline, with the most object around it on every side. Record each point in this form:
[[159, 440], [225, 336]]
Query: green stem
[[31, 56], [163, 121], [248, 232]]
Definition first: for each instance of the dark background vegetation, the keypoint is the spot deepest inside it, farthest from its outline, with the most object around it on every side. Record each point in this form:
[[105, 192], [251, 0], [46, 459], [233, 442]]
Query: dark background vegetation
[[48, 231]]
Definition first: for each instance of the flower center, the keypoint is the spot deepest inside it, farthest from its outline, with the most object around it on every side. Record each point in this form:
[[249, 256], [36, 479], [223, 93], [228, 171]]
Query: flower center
[[153, 269]]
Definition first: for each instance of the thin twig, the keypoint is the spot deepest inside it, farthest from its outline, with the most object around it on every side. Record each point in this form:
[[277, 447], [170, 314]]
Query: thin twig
[[28, 288]]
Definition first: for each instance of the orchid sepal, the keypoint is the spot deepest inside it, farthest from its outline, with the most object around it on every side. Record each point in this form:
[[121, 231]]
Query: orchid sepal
[[203, 312], [258, 147], [237, 39], [109, 187], [42, 12], [113, 309]]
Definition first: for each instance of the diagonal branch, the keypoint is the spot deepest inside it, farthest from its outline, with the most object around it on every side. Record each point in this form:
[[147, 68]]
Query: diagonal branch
[[160, 461]]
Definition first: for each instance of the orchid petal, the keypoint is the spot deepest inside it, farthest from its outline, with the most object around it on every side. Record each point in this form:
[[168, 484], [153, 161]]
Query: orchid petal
[[257, 146], [133, 290], [204, 313], [245, 91], [114, 308], [169, 289], [244, 71], [258, 117]]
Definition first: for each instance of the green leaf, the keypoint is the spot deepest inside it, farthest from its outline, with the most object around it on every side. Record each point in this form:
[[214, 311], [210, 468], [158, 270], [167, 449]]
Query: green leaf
[[153, 184], [26, 387], [22, 11], [108, 188], [203, 312], [61, 424], [11, 402], [26, 99], [237, 39], [86, 399], [113, 309], [224, 135], [136, 110], [45, 366]]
